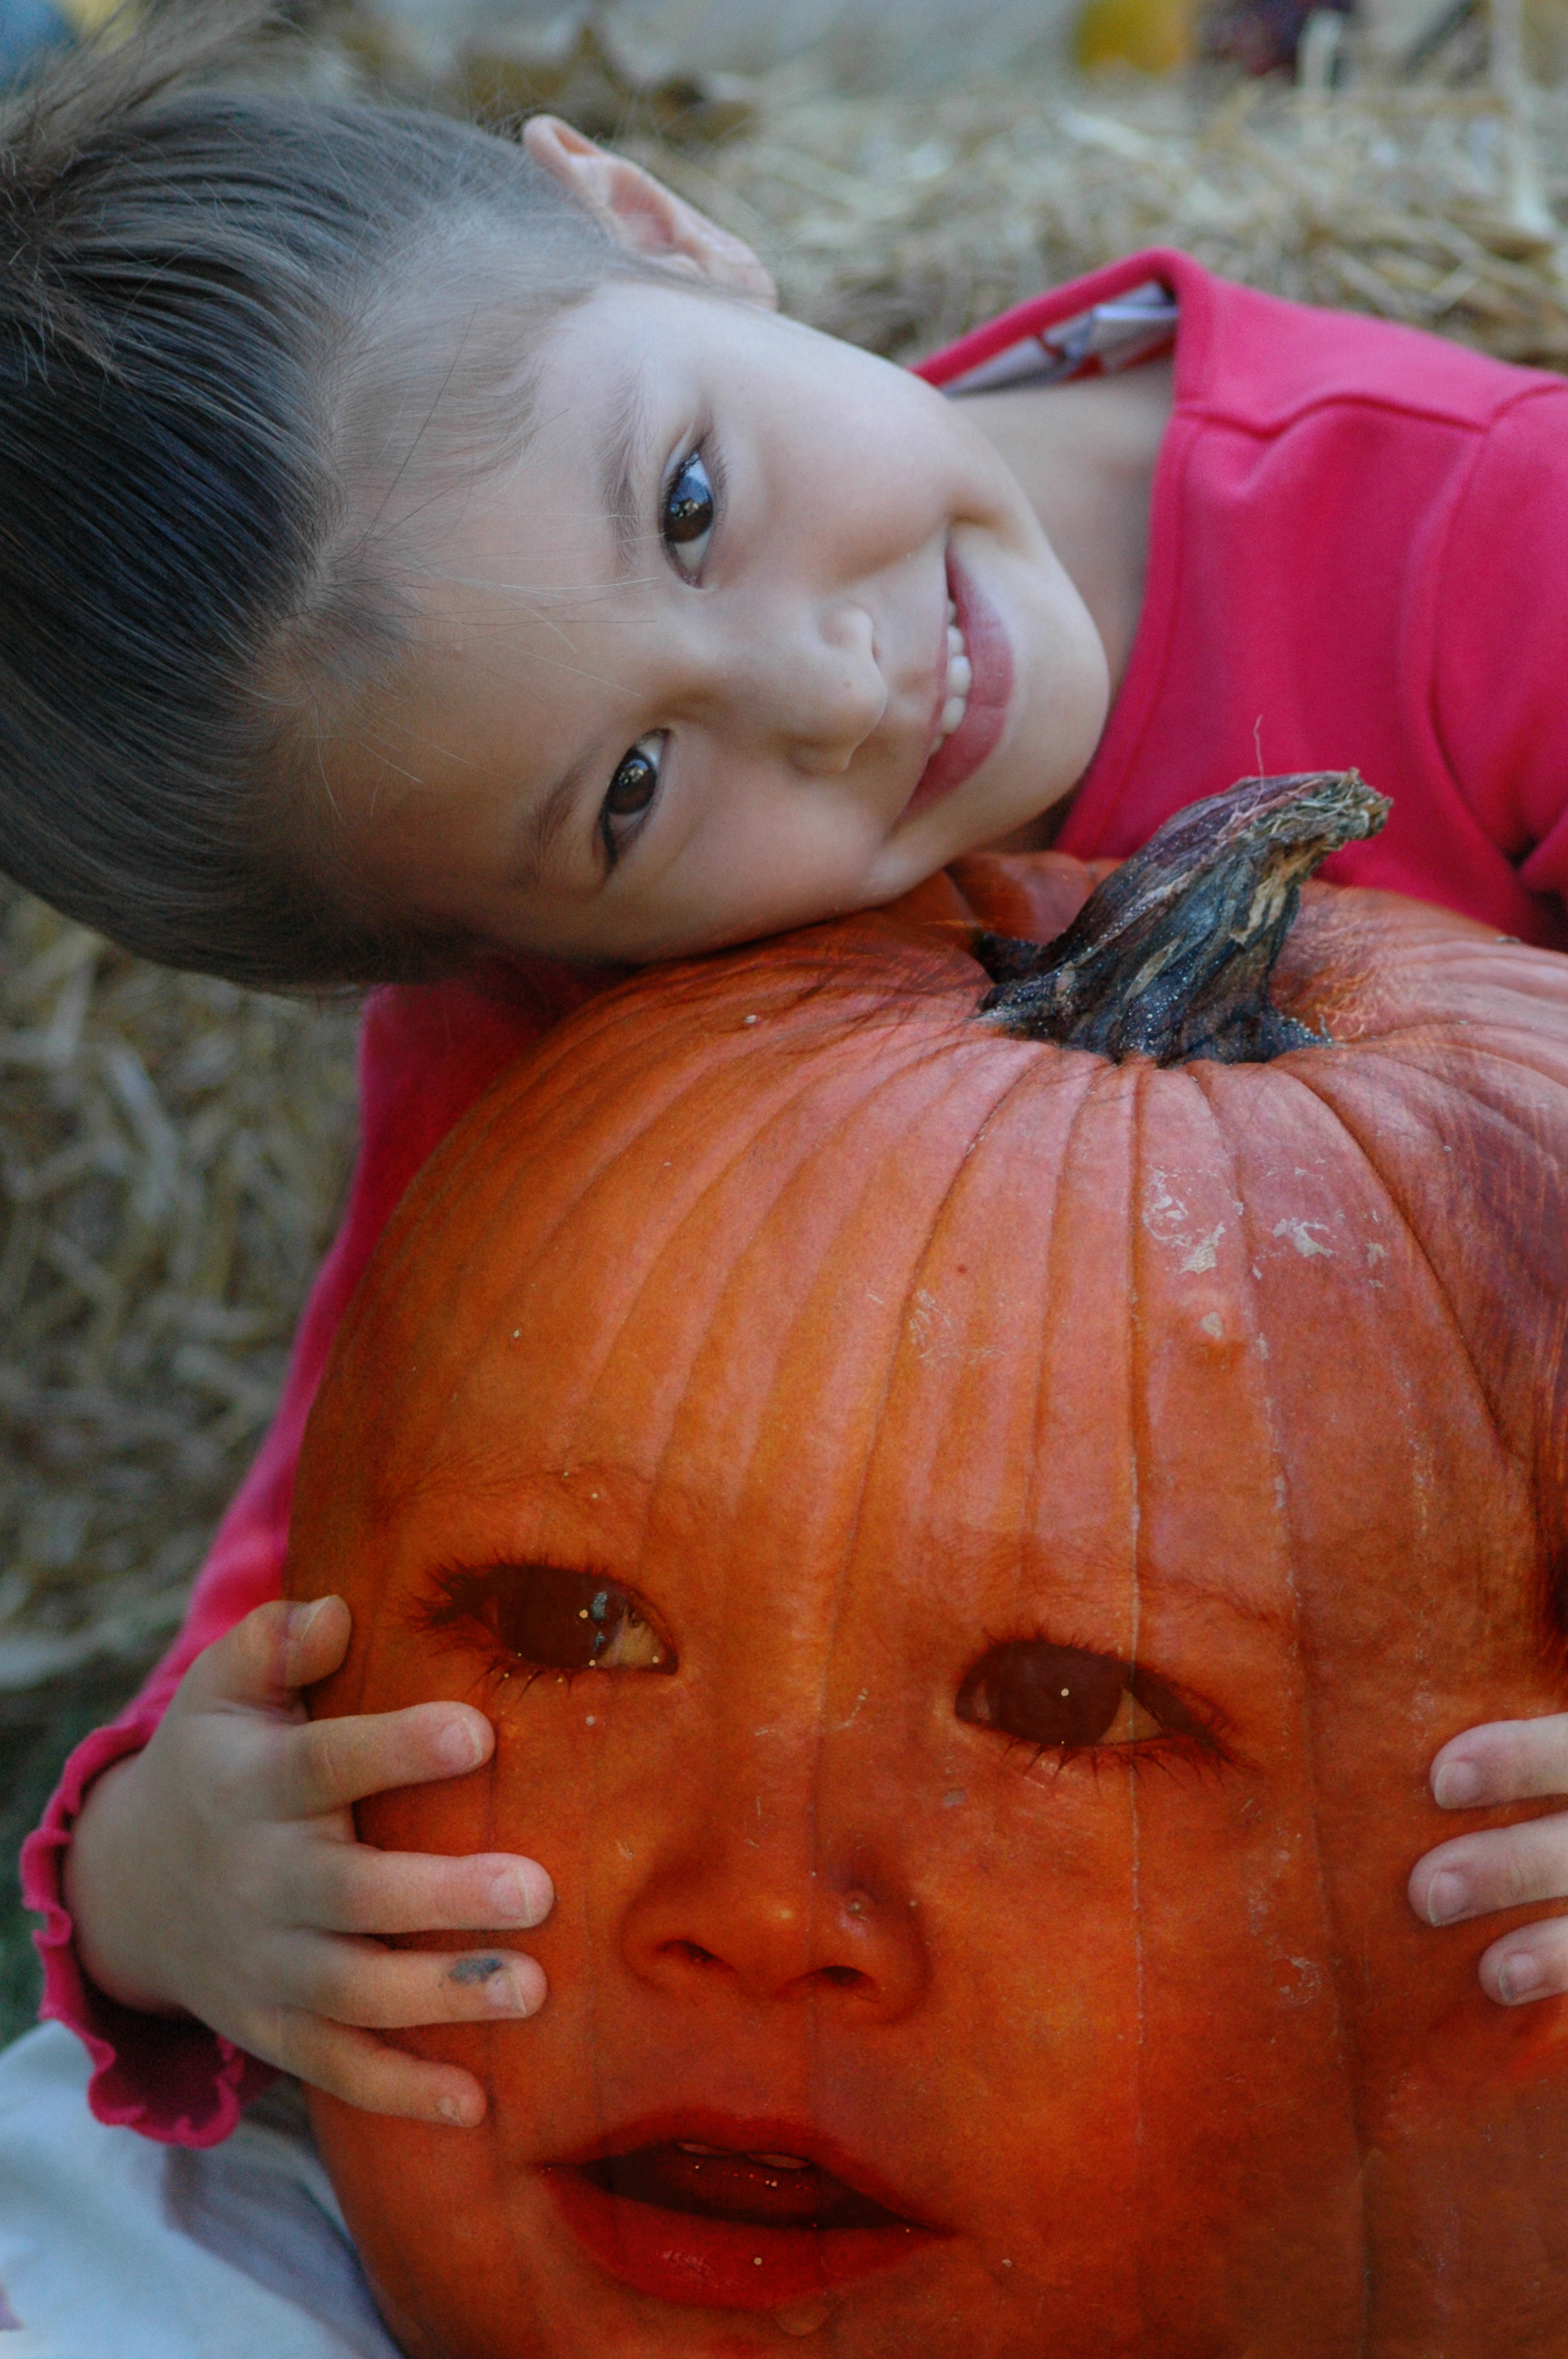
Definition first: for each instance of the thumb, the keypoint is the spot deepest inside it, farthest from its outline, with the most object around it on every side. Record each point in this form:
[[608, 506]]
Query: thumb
[[276, 1649]]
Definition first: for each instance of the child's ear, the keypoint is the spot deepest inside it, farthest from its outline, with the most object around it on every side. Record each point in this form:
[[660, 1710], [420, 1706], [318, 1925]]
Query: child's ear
[[643, 215]]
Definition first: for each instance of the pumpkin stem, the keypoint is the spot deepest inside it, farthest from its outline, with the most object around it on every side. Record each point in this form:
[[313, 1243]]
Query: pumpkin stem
[[1171, 957]]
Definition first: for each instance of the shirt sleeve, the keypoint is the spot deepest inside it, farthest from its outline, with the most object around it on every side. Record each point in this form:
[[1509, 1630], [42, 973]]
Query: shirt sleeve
[[425, 1057], [1501, 673]]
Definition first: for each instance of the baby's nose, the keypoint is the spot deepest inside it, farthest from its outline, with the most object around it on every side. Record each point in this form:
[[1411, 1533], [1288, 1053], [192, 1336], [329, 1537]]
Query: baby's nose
[[736, 1921]]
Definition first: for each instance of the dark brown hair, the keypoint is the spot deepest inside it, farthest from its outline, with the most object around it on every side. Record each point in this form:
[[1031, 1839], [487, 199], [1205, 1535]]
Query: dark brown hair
[[208, 296]]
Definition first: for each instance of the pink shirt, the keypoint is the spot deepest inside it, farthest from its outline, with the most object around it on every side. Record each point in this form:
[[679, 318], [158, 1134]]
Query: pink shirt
[[1358, 553]]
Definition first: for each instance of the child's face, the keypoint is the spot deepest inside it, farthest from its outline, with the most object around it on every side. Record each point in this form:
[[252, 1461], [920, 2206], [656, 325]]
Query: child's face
[[684, 670]]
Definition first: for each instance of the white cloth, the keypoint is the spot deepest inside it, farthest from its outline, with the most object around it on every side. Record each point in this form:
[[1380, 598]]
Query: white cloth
[[112, 2248]]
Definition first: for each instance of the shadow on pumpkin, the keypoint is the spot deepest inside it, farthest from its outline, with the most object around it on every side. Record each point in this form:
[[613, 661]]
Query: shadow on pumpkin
[[969, 1550]]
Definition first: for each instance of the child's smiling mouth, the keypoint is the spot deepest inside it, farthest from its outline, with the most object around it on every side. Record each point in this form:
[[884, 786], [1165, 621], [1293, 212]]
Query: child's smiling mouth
[[729, 2215], [976, 691]]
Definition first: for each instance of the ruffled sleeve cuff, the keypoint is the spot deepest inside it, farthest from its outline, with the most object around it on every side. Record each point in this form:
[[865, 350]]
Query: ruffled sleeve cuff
[[170, 2078]]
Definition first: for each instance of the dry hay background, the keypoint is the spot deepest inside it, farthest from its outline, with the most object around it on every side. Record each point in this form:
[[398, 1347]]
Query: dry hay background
[[172, 1151]]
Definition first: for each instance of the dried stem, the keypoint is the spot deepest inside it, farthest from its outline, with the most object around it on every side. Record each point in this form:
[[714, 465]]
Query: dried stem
[[1171, 958]]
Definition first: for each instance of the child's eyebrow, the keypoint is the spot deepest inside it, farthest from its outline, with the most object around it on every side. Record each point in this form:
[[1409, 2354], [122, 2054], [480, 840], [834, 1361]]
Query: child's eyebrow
[[622, 464], [542, 828]]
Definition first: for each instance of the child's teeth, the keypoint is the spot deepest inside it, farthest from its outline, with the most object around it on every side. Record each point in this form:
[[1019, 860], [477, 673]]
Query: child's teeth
[[952, 611], [960, 678]]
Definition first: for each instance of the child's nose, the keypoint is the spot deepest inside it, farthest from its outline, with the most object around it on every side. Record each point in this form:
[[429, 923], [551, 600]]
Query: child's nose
[[817, 687], [731, 1921]]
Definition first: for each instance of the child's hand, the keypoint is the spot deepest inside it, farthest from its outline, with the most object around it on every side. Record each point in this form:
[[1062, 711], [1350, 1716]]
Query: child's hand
[[1506, 1868], [218, 1874]]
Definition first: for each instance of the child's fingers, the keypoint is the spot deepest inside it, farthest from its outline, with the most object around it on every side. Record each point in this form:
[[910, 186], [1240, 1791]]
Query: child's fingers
[[327, 1763], [1530, 1964], [1506, 1868], [363, 2072], [273, 1651], [1503, 1761], [353, 1888], [373, 1989]]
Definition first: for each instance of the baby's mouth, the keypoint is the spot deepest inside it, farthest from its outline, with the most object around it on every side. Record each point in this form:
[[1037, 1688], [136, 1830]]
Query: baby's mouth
[[760, 2191], [723, 2215]]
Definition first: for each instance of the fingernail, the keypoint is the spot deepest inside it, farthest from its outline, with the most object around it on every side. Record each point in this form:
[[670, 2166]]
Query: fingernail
[[495, 1976], [460, 1744], [300, 1617], [521, 1896], [451, 2109], [1447, 1896], [1518, 1978], [1457, 1785]]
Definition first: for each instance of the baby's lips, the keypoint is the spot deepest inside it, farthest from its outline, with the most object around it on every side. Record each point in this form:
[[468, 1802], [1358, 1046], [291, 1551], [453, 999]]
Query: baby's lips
[[634, 2200], [749, 2134]]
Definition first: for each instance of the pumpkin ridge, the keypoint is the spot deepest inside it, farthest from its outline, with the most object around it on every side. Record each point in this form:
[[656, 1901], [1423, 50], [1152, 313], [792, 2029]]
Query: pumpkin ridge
[[1154, 1086], [939, 1065], [1208, 1078], [1017, 1083], [447, 1178], [1361, 1134], [556, 1059], [820, 1146], [1491, 1385]]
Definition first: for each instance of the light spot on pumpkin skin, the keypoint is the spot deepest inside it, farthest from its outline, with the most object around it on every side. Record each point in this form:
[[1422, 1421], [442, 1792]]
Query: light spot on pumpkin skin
[[1300, 1237]]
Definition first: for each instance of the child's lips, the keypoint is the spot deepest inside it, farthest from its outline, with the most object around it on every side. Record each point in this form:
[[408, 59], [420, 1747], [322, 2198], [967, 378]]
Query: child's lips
[[989, 698], [709, 2209]]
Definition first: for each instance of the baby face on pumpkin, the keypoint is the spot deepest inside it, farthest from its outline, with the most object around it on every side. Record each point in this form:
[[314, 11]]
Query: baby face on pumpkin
[[978, 1782]]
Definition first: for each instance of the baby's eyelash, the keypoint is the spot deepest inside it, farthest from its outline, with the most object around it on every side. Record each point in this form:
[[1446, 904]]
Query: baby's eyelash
[[1018, 1677], [535, 1617]]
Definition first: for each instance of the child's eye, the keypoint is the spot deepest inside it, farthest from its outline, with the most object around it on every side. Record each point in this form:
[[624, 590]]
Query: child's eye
[[630, 796], [549, 1619], [690, 507], [1066, 1699]]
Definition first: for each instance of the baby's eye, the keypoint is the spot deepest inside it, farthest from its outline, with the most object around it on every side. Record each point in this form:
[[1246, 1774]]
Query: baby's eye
[[558, 1621], [690, 505], [630, 795], [1065, 1698]]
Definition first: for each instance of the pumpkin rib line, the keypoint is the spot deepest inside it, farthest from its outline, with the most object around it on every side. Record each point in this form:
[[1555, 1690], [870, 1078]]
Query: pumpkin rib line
[[444, 1172], [1203, 1075], [813, 1149], [1016, 1082], [930, 1053], [1399, 1202], [613, 1155], [1553, 1597]]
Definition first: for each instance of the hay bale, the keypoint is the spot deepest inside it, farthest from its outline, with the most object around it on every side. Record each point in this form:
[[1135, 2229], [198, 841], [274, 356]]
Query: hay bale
[[172, 1151]]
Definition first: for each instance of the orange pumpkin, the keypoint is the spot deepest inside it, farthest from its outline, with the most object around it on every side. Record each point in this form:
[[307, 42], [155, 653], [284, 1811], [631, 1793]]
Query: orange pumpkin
[[969, 1548]]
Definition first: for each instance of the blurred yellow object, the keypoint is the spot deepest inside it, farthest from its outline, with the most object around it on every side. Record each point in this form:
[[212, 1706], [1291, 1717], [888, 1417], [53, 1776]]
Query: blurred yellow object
[[86, 18], [1154, 37]]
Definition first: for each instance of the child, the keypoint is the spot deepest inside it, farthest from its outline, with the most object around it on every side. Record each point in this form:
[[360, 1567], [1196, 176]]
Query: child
[[420, 549]]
